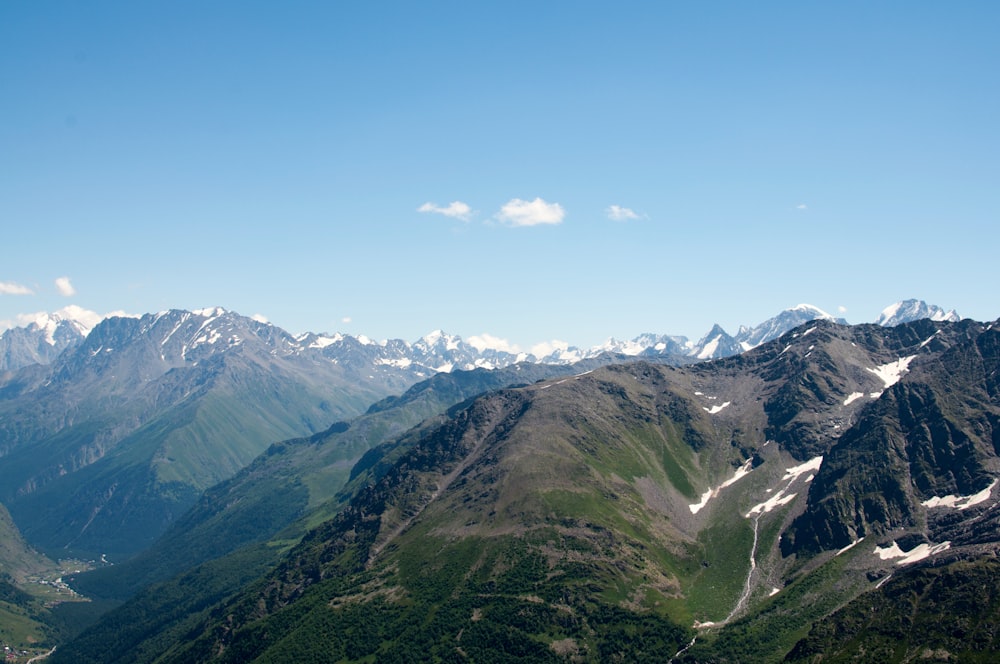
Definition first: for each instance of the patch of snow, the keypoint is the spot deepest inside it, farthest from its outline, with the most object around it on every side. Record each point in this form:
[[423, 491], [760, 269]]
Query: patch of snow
[[915, 554], [715, 409], [782, 497], [891, 373], [210, 338], [850, 546], [809, 466], [740, 473], [929, 339], [960, 502], [705, 497], [209, 312], [853, 396], [709, 349], [184, 317], [775, 501], [445, 368], [401, 363], [774, 591], [323, 342]]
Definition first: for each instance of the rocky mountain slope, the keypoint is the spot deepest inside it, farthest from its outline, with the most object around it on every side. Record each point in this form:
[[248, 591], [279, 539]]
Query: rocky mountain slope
[[108, 435], [297, 482], [639, 512], [43, 339], [103, 448]]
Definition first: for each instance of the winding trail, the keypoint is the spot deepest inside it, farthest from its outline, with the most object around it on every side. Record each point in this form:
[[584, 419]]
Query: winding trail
[[38, 658]]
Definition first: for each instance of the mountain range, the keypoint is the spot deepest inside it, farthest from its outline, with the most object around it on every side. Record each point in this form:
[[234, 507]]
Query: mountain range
[[751, 508], [46, 337], [117, 435], [107, 447]]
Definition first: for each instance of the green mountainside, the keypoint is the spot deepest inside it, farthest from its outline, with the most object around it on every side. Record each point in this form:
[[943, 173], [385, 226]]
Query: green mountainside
[[947, 612], [720, 512], [295, 482], [102, 450]]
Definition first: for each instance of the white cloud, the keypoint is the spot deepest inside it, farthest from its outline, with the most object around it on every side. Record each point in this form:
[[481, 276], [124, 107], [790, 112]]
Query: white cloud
[[64, 287], [83, 316], [346, 320], [546, 348], [517, 212], [455, 210], [619, 213], [79, 314], [10, 288], [842, 309], [121, 314], [260, 318], [801, 206], [488, 341]]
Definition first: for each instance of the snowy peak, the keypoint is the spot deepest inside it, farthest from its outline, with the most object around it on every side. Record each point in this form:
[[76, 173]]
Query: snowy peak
[[182, 336], [717, 343], [45, 336], [908, 311], [789, 319]]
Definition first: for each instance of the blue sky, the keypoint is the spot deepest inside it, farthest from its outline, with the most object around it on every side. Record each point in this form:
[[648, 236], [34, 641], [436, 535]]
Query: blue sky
[[534, 171]]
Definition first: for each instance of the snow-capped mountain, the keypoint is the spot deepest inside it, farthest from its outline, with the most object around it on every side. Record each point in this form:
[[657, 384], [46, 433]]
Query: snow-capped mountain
[[800, 477], [787, 320], [217, 386], [43, 340], [908, 311], [145, 413], [44, 337], [717, 343]]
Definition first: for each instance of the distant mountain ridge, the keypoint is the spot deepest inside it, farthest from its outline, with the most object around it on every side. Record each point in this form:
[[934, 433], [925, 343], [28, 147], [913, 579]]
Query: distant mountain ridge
[[908, 311], [45, 337], [102, 448], [42, 341]]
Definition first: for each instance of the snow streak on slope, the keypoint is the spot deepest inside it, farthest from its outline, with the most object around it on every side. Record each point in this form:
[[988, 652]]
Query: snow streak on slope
[[891, 373], [960, 502], [782, 497], [914, 555], [715, 409], [741, 472]]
